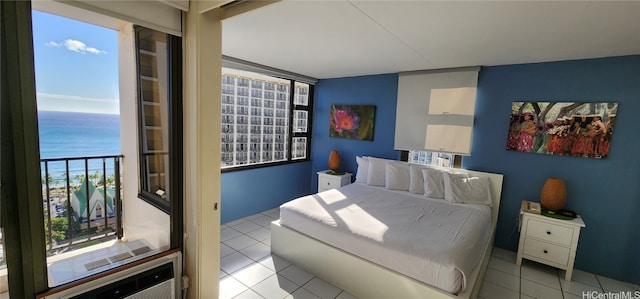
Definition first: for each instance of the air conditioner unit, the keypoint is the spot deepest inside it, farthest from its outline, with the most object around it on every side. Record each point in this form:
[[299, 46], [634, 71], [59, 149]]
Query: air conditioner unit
[[158, 278]]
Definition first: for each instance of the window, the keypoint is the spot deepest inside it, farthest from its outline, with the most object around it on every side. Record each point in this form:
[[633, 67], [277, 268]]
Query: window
[[434, 158], [265, 119], [33, 244], [160, 121]]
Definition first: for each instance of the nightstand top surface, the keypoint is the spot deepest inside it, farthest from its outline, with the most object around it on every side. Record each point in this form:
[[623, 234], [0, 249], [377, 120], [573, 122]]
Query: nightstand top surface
[[324, 172], [576, 221]]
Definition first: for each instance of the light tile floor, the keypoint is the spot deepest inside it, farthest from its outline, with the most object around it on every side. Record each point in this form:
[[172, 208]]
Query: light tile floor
[[249, 270]]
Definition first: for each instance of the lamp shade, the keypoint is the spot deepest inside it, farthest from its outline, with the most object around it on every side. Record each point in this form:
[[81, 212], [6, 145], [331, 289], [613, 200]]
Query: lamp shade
[[553, 196], [334, 160]]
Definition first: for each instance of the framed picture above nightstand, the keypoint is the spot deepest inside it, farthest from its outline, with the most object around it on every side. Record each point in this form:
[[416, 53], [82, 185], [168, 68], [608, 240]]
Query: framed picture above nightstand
[[549, 241], [332, 181]]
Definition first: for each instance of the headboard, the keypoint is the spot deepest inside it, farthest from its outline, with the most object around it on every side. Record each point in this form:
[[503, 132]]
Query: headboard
[[496, 191]]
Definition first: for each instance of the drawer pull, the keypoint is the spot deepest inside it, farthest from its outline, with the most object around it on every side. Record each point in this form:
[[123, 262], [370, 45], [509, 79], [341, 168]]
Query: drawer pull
[[545, 251], [328, 183], [548, 232]]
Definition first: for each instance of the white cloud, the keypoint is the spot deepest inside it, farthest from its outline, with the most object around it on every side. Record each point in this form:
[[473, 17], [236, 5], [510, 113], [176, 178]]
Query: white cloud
[[73, 103], [76, 98], [53, 44], [93, 50], [76, 46]]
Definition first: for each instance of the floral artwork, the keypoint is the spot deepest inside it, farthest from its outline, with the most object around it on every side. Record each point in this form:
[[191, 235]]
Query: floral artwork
[[576, 129], [352, 121]]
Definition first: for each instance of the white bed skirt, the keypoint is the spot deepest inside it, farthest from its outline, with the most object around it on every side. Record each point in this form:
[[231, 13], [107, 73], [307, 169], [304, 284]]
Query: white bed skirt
[[360, 277]]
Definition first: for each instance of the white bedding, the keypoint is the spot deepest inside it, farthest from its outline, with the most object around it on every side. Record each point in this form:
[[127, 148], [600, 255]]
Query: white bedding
[[430, 240]]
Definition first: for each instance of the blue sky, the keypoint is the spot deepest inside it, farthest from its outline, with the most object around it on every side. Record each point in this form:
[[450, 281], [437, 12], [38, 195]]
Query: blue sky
[[76, 65]]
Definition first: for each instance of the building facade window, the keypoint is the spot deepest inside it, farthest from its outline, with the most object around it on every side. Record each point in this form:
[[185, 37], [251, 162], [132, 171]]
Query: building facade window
[[265, 119], [433, 158]]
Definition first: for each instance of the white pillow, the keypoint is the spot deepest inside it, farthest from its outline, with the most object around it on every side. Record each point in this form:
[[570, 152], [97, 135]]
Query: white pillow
[[433, 183], [416, 184], [363, 169], [397, 176], [377, 170], [461, 188]]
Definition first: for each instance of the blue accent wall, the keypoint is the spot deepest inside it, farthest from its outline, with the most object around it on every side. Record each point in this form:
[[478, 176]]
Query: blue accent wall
[[248, 192], [605, 192], [378, 90]]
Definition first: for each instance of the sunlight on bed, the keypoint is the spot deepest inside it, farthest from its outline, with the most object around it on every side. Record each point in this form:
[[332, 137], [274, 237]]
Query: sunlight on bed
[[354, 217], [362, 223], [331, 196]]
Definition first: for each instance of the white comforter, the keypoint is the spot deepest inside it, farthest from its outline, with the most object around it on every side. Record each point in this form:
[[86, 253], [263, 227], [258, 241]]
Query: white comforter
[[430, 240]]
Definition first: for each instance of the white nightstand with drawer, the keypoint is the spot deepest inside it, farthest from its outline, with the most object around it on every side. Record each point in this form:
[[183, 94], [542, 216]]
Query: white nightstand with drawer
[[549, 241], [330, 181]]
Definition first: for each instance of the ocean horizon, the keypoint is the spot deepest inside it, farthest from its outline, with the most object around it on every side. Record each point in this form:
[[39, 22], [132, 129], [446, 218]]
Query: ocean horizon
[[77, 134]]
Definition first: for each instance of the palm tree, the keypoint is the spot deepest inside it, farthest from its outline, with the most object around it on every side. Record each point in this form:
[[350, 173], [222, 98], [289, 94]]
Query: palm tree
[[50, 179], [77, 181], [111, 179], [96, 178]]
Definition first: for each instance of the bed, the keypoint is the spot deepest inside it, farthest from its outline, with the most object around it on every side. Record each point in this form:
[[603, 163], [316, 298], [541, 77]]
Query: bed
[[381, 241]]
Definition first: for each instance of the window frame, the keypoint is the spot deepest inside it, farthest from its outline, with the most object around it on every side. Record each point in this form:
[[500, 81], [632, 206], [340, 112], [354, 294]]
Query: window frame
[[24, 245], [290, 129], [173, 205], [307, 134]]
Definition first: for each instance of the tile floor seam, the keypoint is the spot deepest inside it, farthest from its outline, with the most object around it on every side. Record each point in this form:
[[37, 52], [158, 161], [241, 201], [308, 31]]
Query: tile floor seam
[[252, 263], [489, 267], [245, 233], [254, 238], [250, 288], [298, 286], [560, 282], [256, 223], [600, 283], [231, 227], [540, 283], [235, 222], [497, 285], [520, 289]]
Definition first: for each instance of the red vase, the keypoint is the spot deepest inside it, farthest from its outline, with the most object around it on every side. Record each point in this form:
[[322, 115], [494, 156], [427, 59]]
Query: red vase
[[334, 160]]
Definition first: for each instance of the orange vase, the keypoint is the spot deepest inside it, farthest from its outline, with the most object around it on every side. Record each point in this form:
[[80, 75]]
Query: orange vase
[[553, 196], [334, 160]]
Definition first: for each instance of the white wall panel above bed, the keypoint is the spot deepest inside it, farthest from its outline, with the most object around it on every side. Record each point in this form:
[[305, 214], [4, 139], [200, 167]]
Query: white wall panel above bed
[[432, 106]]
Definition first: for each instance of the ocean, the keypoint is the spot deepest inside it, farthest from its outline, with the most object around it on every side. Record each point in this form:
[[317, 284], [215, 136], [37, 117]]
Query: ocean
[[73, 134]]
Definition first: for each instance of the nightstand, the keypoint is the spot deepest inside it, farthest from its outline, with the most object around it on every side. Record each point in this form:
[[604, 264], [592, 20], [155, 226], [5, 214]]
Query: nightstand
[[549, 241], [329, 181]]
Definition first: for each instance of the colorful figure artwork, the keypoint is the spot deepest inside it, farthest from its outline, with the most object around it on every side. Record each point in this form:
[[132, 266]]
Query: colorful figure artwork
[[576, 129]]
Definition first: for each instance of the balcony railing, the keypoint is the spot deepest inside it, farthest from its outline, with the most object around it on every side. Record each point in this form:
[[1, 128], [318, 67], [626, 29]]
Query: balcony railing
[[82, 198]]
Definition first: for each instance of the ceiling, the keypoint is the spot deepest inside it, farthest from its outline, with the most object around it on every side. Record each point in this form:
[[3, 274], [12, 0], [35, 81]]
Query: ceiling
[[331, 39]]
